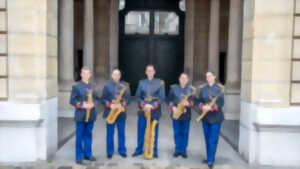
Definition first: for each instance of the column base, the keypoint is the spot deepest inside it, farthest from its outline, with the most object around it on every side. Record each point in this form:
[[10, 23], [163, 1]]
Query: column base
[[232, 106], [28, 132], [270, 136]]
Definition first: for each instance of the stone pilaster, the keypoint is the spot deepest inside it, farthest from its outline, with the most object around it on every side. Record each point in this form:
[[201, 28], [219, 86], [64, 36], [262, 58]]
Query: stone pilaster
[[233, 75], [66, 39], [30, 113], [88, 49], [214, 29], [114, 34], [189, 38], [268, 123]]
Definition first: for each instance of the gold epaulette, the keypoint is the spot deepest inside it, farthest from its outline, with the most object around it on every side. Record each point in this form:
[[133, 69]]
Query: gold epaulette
[[194, 89], [221, 86], [173, 85], [202, 85], [125, 83]]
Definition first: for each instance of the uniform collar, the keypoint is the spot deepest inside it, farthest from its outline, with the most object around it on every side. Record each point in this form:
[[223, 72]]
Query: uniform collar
[[85, 83], [211, 86]]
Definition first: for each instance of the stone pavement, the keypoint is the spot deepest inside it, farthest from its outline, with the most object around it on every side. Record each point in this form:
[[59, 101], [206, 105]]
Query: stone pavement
[[226, 157]]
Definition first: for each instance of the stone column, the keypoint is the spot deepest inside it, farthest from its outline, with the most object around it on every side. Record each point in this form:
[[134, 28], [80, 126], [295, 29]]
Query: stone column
[[114, 34], [233, 74], [66, 39], [189, 38], [88, 49], [214, 28]]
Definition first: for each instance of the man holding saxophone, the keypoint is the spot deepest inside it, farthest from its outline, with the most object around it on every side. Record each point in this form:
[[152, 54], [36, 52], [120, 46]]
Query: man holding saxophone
[[115, 97], [211, 102], [150, 96], [83, 98], [180, 102]]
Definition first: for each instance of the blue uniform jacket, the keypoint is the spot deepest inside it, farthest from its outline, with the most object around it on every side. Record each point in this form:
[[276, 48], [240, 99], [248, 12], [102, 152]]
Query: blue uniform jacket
[[110, 91], [206, 94], [78, 96], [176, 94], [155, 89]]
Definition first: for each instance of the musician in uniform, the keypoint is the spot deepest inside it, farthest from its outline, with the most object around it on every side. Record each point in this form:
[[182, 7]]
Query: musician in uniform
[[85, 115], [110, 92], [150, 95], [181, 125], [212, 121]]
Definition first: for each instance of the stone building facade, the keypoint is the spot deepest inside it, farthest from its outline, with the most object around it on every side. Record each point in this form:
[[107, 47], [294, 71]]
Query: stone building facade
[[39, 40]]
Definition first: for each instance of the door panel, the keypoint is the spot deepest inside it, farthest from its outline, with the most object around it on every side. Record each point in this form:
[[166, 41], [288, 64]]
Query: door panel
[[165, 52]]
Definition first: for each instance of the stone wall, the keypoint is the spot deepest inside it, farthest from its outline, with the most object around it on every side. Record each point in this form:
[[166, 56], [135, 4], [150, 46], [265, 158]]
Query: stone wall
[[28, 129], [3, 51], [295, 74], [269, 125]]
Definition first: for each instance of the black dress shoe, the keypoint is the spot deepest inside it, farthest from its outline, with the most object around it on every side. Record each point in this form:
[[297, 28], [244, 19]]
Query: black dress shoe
[[123, 155], [204, 161], [155, 156], [210, 166], [79, 162], [136, 154], [91, 159], [176, 154], [109, 156], [184, 155]]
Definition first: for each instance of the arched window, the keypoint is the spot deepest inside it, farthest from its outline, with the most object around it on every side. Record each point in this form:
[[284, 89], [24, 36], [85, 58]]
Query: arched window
[[121, 4], [182, 5], [137, 22], [166, 23]]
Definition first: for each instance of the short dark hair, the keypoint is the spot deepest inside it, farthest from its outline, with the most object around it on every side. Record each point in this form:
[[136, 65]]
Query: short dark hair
[[150, 65], [183, 73], [116, 69], [85, 68], [210, 71]]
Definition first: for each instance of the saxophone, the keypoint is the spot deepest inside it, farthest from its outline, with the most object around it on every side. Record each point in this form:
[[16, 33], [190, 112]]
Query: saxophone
[[149, 137], [114, 113], [211, 103], [181, 109], [89, 101]]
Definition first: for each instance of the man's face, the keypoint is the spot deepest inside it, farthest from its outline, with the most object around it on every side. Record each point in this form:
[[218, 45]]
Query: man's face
[[183, 79], [116, 75], [210, 77], [150, 72], [85, 75]]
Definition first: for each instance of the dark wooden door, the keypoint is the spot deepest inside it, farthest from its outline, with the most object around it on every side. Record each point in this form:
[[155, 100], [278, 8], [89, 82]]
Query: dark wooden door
[[164, 50]]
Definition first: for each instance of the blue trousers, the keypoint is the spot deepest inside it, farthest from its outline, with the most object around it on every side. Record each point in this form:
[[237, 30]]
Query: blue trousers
[[181, 135], [142, 122], [211, 134], [84, 132], [110, 130]]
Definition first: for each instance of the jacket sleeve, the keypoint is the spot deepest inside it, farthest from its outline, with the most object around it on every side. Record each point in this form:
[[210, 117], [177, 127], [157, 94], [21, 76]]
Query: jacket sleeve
[[199, 99], [74, 98], [138, 95], [105, 96], [162, 95], [127, 96], [96, 97], [220, 102]]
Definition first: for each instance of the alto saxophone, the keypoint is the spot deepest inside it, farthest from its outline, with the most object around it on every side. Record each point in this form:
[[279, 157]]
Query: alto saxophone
[[181, 109], [114, 113], [211, 103], [89, 101], [149, 137]]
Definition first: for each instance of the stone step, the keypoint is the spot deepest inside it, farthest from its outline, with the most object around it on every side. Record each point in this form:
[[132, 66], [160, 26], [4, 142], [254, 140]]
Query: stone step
[[120, 166]]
